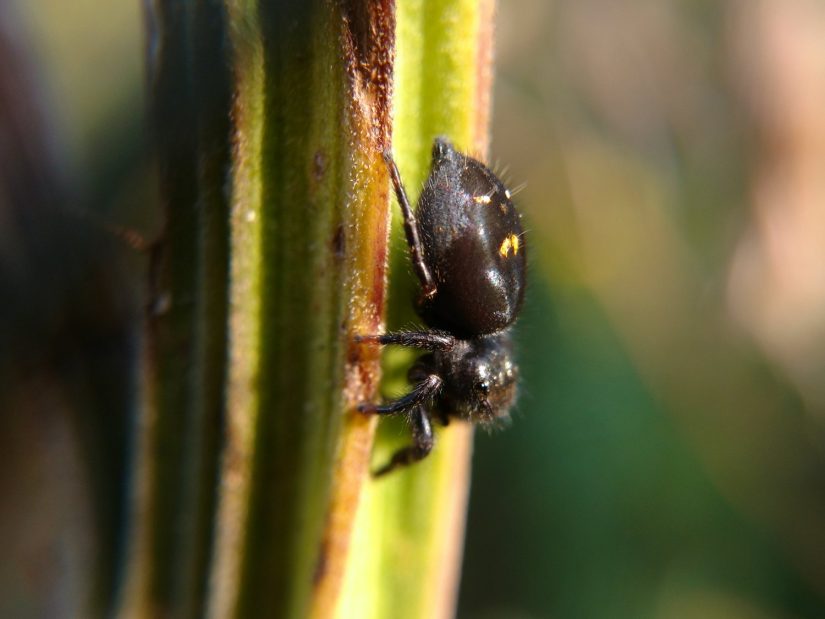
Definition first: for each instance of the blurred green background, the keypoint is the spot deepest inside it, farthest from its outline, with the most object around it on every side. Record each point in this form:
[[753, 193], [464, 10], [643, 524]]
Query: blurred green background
[[666, 459]]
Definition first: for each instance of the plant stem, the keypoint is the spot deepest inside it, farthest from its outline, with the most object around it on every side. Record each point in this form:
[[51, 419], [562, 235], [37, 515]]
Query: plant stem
[[406, 550], [253, 495]]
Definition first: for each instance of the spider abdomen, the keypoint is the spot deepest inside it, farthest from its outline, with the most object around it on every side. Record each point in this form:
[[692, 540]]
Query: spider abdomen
[[474, 244]]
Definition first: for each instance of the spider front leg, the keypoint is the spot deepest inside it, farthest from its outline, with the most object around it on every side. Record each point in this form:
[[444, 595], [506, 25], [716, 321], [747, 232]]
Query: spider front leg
[[415, 403], [427, 382], [423, 441], [419, 399], [421, 393]]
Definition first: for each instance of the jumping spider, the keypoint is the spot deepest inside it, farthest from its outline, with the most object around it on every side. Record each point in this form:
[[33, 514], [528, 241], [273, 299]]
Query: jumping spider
[[468, 253]]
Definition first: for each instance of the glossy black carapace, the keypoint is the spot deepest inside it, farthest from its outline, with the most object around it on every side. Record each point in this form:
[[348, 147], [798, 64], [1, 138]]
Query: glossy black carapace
[[468, 252]]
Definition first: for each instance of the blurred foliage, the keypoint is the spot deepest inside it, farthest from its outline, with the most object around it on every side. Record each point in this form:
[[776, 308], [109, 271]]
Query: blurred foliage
[[660, 465], [665, 460]]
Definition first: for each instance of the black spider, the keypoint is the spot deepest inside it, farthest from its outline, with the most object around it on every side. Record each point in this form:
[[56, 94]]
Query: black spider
[[468, 252]]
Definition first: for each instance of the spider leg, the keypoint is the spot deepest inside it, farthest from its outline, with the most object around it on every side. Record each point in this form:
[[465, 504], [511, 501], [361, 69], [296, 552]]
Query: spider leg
[[422, 271], [427, 340], [422, 392], [423, 440]]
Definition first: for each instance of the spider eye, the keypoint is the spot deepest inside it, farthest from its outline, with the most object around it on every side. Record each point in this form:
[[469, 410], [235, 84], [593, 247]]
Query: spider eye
[[483, 387]]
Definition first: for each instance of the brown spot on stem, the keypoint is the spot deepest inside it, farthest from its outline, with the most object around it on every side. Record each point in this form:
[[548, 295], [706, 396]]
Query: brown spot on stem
[[339, 244], [320, 564], [319, 165]]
